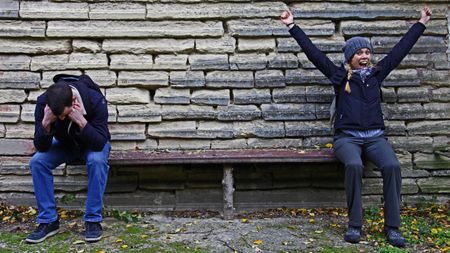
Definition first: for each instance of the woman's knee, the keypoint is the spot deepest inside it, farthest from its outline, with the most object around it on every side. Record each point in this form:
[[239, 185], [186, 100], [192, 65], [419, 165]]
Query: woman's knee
[[354, 167], [392, 167]]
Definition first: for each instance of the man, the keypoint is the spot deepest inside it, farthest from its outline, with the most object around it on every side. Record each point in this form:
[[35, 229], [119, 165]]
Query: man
[[70, 124]]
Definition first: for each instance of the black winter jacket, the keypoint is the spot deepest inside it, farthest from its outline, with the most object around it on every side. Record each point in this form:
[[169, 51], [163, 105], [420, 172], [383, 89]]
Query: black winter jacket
[[361, 109], [93, 136]]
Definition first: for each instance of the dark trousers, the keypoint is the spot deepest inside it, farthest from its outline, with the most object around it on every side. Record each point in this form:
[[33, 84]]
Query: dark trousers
[[348, 150]]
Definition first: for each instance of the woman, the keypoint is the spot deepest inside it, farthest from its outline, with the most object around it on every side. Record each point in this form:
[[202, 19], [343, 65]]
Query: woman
[[359, 122]]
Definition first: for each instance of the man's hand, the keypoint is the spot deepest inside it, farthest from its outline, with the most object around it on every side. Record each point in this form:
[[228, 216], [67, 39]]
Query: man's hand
[[76, 115], [48, 119], [425, 15], [287, 17]]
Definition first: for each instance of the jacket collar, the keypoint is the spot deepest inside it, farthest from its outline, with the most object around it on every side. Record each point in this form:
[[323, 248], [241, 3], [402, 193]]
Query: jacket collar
[[79, 99], [341, 74]]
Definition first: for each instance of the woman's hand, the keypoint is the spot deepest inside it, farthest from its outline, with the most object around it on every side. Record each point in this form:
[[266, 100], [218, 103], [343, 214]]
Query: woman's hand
[[287, 18], [425, 15]]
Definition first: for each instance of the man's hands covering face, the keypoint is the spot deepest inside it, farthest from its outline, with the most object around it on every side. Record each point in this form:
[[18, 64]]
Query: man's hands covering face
[[76, 115], [48, 119]]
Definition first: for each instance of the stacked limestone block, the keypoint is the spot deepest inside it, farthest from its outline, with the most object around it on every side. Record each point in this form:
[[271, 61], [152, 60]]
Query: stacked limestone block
[[193, 74]]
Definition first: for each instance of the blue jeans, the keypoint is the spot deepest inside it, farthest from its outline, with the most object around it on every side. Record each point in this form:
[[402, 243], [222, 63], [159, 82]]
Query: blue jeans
[[349, 150], [42, 164]]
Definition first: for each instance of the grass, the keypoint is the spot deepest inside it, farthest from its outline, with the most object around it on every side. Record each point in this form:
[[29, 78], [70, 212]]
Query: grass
[[64, 242], [14, 242], [425, 227], [340, 250]]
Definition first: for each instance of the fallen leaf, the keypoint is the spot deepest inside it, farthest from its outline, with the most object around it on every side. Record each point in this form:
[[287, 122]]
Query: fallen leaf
[[119, 240], [78, 242], [63, 215], [257, 242], [244, 220], [124, 246], [31, 211]]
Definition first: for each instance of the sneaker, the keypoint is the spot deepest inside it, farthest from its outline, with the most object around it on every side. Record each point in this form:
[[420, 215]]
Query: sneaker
[[43, 231], [394, 237], [353, 234], [93, 231]]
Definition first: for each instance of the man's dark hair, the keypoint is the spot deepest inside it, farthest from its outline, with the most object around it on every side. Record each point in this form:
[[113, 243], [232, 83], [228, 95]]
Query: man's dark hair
[[59, 95]]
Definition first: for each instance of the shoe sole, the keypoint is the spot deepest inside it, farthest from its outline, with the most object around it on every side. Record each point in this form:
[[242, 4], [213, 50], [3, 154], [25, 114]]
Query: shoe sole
[[43, 238], [351, 240], [93, 239]]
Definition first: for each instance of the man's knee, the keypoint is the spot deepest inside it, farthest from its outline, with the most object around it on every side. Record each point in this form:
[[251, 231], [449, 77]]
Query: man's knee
[[36, 161], [96, 159]]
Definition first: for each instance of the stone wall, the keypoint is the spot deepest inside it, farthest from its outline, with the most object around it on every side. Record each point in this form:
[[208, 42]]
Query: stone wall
[[191, 74]]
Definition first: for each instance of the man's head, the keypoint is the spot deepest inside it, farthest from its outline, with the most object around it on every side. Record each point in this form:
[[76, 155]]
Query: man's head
[[360, 46], [60, 99]]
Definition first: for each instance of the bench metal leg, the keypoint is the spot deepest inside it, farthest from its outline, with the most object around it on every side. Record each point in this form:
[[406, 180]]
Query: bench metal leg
[[228, 190]]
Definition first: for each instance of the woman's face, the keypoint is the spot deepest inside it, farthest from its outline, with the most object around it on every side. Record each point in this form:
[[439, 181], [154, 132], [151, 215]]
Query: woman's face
[[361, 59]]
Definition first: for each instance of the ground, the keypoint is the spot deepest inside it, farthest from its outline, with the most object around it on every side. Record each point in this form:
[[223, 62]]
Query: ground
[[426, 227]]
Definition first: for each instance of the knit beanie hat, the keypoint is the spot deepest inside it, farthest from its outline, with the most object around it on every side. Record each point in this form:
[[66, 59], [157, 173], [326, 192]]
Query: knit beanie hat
[[354, 44]]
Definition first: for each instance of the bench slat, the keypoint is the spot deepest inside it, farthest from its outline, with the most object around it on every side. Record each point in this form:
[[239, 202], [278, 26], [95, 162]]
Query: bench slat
[[134, 158]]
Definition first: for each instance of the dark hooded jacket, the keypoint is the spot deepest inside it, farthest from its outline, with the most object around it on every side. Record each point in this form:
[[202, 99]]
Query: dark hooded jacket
[[360, 109], [93, 136]]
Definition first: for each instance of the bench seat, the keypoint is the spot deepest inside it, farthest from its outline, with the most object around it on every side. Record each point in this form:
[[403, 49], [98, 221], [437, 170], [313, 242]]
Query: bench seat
[[134, 158], [227, 158]]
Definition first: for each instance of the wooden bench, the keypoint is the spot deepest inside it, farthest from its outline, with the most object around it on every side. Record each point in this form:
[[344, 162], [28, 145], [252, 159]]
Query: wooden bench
[[227, 158]]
